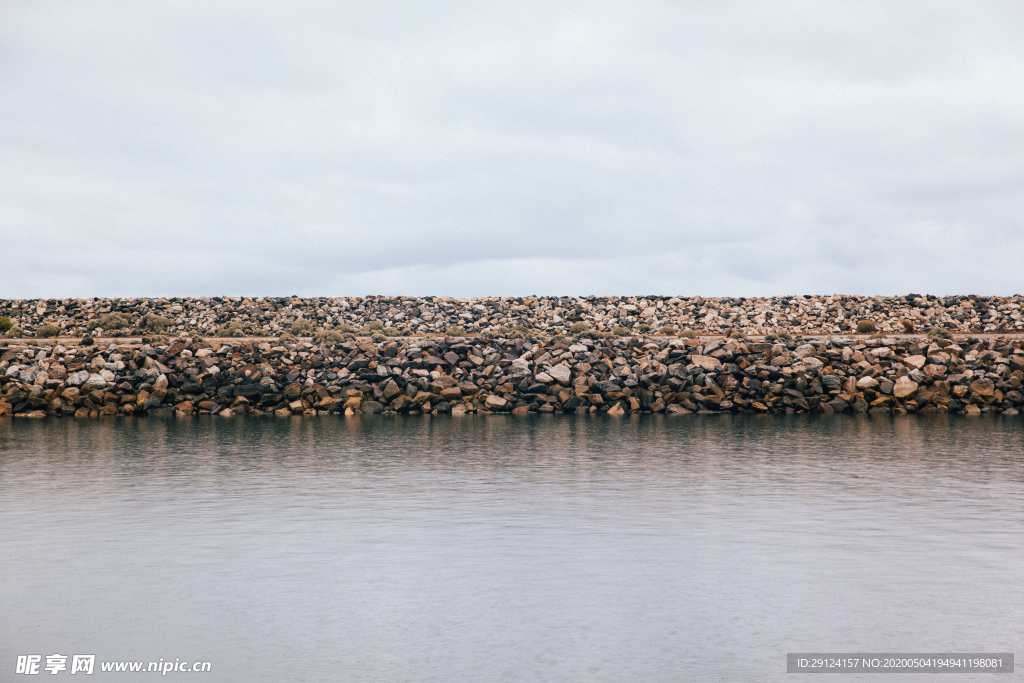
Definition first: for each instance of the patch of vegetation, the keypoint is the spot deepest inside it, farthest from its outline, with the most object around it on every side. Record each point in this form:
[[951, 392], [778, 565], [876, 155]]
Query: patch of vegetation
[[939, 333], [323, 336], [15, 332], [302, 328], [391, 332], [578, 328], [154, 322], [47, 330], [378, 338], [112, 322], [736, 334], [5, 324], [455, 332], [687, 334], [231, 329], [287, 337], [345, 328], [620, 331], [668, 331], [908, 326], [865, 327]]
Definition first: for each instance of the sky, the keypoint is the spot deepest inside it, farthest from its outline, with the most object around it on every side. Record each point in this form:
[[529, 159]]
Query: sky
[[468, 148]]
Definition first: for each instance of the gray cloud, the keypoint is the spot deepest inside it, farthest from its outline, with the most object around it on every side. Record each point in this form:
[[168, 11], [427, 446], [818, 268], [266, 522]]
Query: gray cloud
[[740, 148]]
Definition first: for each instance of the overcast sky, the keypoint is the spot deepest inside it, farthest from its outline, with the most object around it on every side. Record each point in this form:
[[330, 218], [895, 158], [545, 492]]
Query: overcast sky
[[472, 148]]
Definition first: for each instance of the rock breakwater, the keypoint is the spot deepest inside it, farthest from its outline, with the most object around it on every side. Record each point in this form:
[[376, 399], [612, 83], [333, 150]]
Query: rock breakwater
[[522, 375], [404, 316]]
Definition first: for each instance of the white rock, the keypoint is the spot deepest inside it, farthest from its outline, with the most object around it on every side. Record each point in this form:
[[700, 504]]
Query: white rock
[[78, 378], [543, 377], [107, 376], [561, 374], [160, 384]]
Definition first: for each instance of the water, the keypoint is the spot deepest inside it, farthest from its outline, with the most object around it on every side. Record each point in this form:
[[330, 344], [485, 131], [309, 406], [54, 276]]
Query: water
[[497, 549]]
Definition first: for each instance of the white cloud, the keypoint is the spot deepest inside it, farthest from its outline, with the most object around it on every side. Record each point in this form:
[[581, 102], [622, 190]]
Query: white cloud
[[346, 148]]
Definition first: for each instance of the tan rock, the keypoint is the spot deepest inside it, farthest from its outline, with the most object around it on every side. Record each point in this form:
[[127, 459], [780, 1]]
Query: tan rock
[[495, 402], [616, 410], [705, 362], [983, 387], [915, 362], [904, 387], [867, 383]]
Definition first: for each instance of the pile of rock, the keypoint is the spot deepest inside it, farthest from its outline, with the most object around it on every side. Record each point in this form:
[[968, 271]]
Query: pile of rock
[[519, 376], [270, 316]]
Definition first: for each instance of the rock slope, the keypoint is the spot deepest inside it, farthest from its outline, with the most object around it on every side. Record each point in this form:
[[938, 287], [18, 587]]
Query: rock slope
[[269, 316], [503, 375]]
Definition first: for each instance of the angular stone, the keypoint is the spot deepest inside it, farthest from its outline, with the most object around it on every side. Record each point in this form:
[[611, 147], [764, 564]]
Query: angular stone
[[451, 394], [983, 387], [616, 409], [915, 362], [904, 387], [561, 374], [867, 383], [495, 402], [705, 362]]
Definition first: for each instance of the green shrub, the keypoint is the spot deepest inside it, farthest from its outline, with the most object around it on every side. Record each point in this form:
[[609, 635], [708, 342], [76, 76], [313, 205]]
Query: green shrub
[[345, 328], [865, 327], [771, 336], [154, 322], [287, 337], [620, 331], [643, 328], [15, 332], [391, 332], [302, 328], [47, 330], [939, 333], [736, 334], [455, 332], [112, 322], [784, 336], [668, 330], [5, 324], [378, 337], [231, 329], [328, 336], [687, 334], [578, 328]]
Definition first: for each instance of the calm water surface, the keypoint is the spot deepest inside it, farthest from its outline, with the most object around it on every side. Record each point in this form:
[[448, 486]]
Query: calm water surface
[[495, 549]]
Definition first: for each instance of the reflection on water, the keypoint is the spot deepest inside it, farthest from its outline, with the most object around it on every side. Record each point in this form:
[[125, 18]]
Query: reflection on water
[[491, 548]]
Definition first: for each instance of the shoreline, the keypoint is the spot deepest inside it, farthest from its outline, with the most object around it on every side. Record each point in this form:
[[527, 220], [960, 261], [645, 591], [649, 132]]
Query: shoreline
[[521, 375]]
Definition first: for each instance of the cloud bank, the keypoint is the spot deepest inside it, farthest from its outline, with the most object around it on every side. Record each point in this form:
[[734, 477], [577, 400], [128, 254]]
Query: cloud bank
[[466, 148]]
